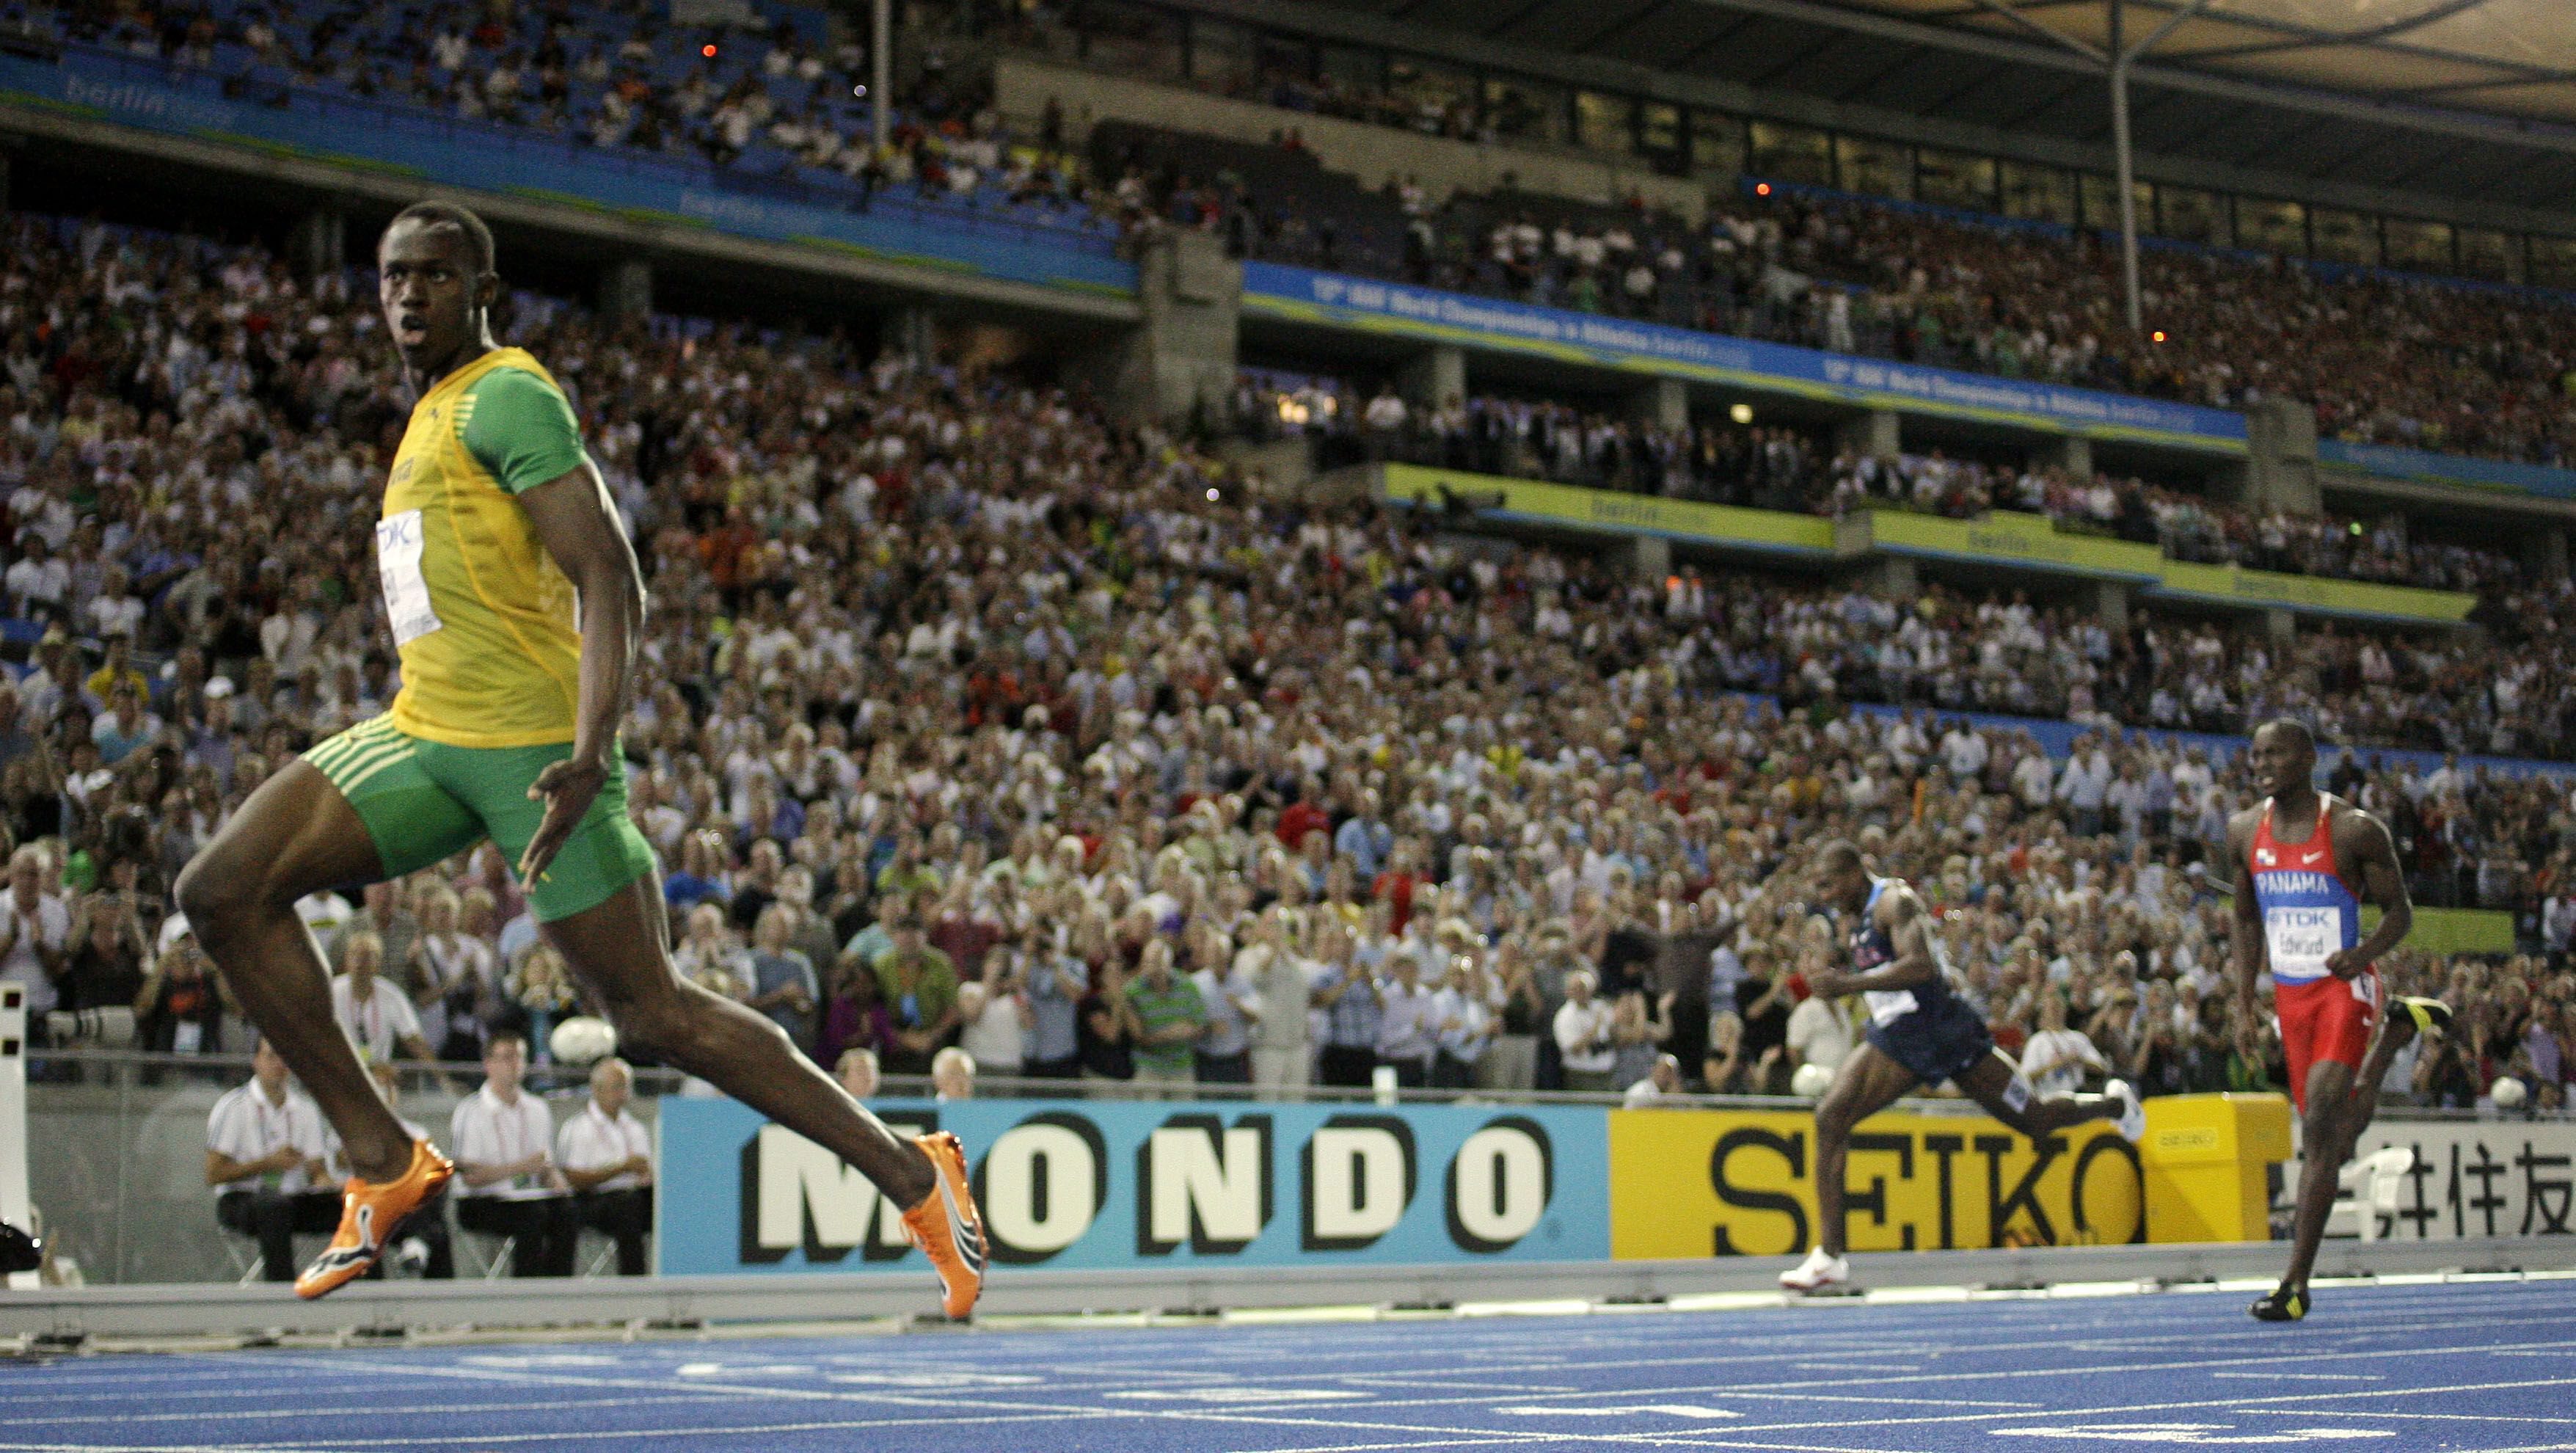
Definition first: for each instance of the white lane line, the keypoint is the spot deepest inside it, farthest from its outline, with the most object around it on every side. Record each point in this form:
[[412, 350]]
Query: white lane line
[[138, 1448], [2306, 1376], [2557, 1422], [229, 1415]]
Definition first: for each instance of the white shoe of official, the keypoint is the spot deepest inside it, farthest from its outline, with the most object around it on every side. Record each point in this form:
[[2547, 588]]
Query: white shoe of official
[[1817, 1273], [2133, 1112]]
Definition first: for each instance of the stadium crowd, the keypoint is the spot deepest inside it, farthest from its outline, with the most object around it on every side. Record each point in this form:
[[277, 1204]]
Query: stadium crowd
[[1787, 467], [2381, 358], [777, 102], [982, 725]]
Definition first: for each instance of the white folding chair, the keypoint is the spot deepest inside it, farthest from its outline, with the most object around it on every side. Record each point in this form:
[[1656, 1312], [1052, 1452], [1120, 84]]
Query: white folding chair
[[2375, 1182], [595, 1254], [479, 1255], [245, 1256]]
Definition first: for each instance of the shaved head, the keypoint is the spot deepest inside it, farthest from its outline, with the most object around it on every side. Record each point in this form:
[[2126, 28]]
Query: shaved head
[[2294, 733]]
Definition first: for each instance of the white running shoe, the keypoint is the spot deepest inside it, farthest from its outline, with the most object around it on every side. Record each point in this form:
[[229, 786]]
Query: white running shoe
[[1817, 1273], [2133, 1112]]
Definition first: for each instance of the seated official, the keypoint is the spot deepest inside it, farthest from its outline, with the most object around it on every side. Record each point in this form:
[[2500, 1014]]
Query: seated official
[[506, 1180], [378, 1017], [952, 1074], [265, 1149], [424, 1244], [857, 1072], [607, 1158]]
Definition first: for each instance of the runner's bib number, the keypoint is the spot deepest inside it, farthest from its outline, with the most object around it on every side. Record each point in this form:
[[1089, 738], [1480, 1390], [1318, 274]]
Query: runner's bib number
[[1886, 1006], [398, 549], [2300, 939]]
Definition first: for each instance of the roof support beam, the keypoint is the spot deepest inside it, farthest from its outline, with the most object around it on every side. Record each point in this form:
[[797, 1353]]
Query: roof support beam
[[1593, 41]]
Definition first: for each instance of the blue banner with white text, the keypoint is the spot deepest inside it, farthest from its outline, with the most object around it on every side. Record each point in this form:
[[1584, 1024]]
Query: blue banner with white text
[[2391, 462], [1099, 1185], [989, 240], [1306, 295]]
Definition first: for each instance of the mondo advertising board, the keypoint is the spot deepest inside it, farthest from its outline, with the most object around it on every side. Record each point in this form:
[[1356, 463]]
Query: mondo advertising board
[[1723, 1183], [1102, 1186]]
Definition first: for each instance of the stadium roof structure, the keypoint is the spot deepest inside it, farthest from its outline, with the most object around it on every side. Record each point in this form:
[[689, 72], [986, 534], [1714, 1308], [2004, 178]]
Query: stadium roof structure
[[2465, 100]]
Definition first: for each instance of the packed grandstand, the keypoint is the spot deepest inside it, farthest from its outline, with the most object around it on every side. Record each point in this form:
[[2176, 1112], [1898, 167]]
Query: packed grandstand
[[956, 650]]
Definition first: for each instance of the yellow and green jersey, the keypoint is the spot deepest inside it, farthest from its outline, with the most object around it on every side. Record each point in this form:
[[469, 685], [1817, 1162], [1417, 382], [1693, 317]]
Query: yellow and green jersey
[[482, 616]]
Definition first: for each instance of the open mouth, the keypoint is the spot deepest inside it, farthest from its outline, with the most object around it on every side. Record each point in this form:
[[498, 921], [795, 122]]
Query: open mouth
[[411, 329]]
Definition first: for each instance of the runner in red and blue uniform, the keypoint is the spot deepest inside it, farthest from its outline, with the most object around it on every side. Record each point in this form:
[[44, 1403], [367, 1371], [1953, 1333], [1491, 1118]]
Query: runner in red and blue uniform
[[2298, 856]]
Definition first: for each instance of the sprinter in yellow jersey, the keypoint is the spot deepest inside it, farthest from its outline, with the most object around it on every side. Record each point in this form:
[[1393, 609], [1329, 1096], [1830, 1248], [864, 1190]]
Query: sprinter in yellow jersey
[[515, 604]]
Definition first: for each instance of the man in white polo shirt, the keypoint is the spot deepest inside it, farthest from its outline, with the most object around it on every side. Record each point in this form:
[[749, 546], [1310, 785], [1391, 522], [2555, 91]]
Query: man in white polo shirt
[[607, 1158], [265, 1148], [379, 1018], [504, 1144]]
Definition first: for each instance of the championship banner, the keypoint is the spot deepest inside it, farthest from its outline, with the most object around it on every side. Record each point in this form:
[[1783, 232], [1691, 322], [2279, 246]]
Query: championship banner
[[2475, 1178], [1302, 295], [1689, 1183], [1101, 1186]]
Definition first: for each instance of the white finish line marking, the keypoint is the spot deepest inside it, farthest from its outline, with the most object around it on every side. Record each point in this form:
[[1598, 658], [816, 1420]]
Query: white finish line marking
[[2221, 1435], [1694, 1411]]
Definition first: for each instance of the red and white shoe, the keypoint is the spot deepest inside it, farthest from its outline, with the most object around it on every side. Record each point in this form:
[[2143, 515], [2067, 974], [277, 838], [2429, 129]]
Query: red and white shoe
[[1818, 1273]]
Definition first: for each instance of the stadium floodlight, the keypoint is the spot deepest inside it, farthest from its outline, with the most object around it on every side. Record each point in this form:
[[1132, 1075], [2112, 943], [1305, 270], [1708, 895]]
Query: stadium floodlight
[[2116, 61]]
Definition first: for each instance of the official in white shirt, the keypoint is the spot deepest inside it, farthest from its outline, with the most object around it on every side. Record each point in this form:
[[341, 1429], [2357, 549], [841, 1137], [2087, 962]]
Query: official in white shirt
[[1583, 1035], [378, 1017], [265, 1151], [503, 1140], [607, 1159]]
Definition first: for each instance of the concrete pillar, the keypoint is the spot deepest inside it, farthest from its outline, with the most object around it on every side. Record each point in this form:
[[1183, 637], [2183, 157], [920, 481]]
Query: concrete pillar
[[2111, 604], [1665, 403], [1432, 378], [1650, 558], [1874, 434], [626, 288], [2544, 551], [2282, 627], [2281, 458], [1177, 368], [319, 245], [1892, 576], [2069, 454], [913, 334]]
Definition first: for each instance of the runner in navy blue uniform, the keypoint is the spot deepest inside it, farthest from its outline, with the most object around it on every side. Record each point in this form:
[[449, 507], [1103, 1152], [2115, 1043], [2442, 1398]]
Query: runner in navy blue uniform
[[1920, 1033]]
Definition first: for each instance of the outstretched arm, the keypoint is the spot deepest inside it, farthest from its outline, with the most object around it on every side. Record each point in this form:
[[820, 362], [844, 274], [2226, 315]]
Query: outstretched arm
[[578, 525], [1909, 931], [2244, 940], [2362, 841]]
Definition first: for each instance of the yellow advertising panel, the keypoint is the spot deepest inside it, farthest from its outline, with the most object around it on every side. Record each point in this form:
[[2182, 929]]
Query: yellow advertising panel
[[1693, 1183], [2235, 585], [2013, 537], [1610, 509]]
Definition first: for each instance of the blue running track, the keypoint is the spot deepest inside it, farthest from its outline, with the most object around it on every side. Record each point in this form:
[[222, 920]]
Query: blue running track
[[2488, 1366]]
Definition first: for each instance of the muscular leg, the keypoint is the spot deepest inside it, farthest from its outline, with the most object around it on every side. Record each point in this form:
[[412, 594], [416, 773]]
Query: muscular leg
[[2396, 1031], [296, 835], [618, 947], [1869, 1083], [2326, 1133], [1990, 1081]]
